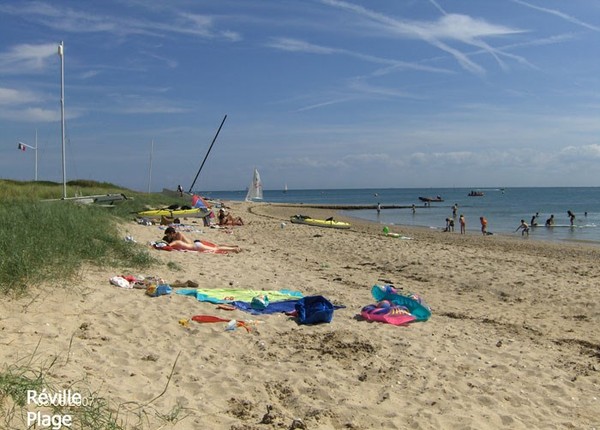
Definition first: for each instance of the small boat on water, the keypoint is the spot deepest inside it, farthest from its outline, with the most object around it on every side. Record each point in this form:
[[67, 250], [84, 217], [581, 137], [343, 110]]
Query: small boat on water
[[255, 191], [474, 193], [431, 199]]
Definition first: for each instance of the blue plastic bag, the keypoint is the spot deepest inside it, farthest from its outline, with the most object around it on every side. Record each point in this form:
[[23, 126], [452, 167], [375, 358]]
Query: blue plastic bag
[[314, 310]]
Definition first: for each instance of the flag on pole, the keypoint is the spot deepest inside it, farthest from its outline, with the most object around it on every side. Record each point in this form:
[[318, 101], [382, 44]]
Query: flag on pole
[[21, 147]]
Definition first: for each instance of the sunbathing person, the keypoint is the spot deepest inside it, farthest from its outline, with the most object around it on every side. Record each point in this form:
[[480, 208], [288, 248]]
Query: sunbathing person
[[179, 241], [227, 219]]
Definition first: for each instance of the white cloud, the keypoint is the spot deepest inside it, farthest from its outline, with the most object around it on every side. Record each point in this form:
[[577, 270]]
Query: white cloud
[[34, 115], [27, 58], [295, 45], [10, 96], [560, 15], [585, 152], [450, 27]]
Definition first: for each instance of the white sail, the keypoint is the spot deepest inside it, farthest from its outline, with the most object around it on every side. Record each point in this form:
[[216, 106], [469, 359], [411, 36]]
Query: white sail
[[255, 191]]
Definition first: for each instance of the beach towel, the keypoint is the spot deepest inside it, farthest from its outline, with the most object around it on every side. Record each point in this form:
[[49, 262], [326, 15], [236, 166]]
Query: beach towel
[[213, 319], [229, 295], [165, 247], [284, 306]]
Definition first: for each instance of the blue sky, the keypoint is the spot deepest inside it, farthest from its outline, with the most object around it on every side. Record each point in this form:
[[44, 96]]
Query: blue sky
[[318, 94]]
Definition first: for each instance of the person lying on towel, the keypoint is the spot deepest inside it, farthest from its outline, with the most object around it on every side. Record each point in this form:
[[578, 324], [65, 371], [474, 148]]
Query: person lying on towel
[[179, 241]]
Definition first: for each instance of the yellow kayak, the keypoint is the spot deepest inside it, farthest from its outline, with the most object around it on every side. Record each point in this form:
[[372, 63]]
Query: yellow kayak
[[329, 222], [193, 212]]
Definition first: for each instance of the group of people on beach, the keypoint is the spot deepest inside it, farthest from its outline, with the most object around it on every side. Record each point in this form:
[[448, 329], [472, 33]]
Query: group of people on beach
[[177, 240], [450, 221]]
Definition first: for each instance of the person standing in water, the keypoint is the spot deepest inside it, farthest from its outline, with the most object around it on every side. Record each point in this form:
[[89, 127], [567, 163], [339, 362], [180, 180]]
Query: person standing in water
[[484, 224], [534, 219], [571, 217], [524, 227], [463, 224]]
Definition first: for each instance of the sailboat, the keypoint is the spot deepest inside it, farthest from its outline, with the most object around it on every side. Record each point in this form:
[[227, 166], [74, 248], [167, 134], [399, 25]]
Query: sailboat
[[255, 191], [285, 189]]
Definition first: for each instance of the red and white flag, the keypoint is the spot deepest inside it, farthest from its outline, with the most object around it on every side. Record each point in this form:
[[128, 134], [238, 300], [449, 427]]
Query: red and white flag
[[22, 147]]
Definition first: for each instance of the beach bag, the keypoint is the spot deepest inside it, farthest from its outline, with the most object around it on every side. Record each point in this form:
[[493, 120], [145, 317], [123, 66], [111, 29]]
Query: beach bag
[[314, 310], [260, 302]]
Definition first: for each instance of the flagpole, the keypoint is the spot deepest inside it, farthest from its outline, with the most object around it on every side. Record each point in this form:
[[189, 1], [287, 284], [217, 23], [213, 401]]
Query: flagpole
[[36, 147], [62, 114], [150, 169], [23, 145]]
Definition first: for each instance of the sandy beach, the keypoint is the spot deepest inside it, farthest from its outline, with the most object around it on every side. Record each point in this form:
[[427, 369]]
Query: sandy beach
[[513, 341]]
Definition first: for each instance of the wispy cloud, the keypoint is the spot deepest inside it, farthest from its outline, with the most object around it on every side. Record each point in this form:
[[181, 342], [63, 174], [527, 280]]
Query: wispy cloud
[[451, 27], [363, 87], [78, 21], [295, 45], [559, 14], [325, 103], [10, 96], [32, 115], [27, 58], [584, 152]]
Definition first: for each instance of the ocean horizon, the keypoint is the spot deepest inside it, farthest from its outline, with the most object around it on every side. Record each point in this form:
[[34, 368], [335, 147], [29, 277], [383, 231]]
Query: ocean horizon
[[504, 208]]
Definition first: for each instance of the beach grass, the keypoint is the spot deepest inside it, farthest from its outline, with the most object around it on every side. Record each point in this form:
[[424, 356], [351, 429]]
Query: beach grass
[[93, 412], [43, 240], [49, 242]]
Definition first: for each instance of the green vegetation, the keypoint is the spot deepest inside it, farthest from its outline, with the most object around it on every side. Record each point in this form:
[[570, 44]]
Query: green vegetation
[[51, 239], [92, 412]]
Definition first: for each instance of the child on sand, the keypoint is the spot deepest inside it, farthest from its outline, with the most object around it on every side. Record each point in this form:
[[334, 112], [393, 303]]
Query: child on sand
[[463, 224]]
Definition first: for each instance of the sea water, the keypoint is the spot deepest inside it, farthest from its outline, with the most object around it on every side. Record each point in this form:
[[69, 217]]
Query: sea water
[[503, 208]]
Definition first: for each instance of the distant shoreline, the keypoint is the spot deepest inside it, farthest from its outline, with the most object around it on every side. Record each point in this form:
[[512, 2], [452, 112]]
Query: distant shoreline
[[472, 237]]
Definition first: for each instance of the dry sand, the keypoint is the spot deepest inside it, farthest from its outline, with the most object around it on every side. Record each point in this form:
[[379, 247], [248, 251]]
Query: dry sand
[[513, 341]]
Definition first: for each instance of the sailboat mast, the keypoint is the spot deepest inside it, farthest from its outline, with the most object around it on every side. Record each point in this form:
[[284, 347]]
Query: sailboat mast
[[207, 152], [62, 114]]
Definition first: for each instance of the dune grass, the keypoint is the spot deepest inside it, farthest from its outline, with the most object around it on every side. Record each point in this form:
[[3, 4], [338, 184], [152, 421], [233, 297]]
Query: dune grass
[[41, 240], [94, 412], [50, 241]]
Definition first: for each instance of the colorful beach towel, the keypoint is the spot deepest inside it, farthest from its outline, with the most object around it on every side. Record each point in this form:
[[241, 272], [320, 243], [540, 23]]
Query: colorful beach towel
[[228, 295]]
